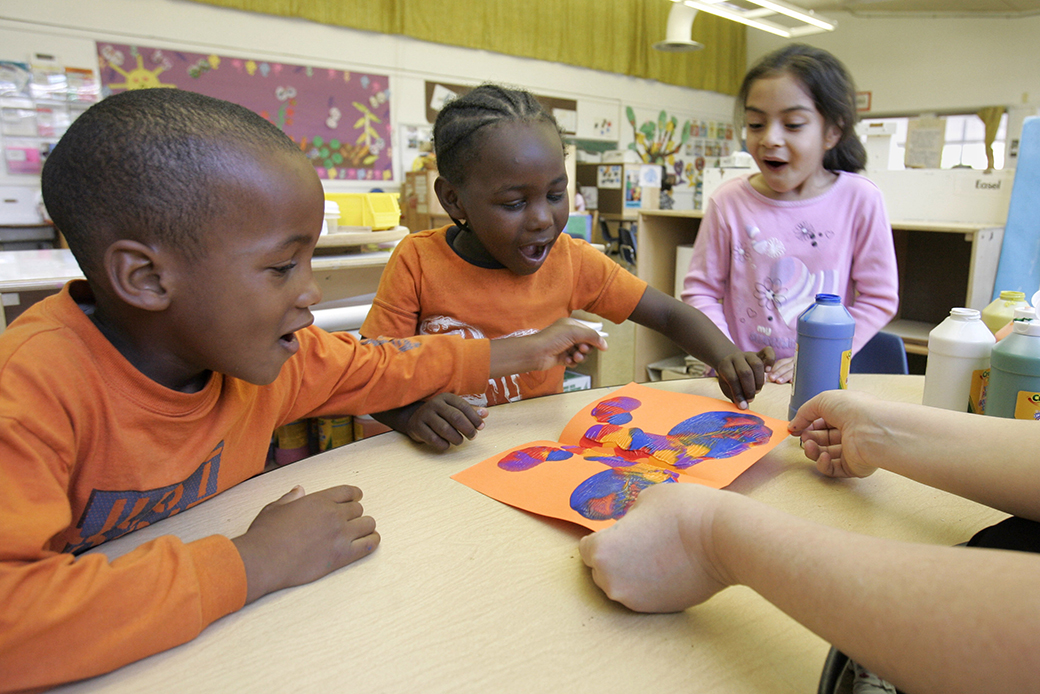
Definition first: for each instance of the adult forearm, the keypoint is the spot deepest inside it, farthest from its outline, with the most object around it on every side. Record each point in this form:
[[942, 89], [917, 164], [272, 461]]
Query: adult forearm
[[987, 459], [926, 618]]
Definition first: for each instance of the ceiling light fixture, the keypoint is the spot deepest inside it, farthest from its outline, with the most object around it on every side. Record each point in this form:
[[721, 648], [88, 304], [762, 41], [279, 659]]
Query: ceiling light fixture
[[756, 17], [679, 29]]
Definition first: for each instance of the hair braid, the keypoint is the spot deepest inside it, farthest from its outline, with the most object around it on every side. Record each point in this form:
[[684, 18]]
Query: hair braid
[[457, 131]]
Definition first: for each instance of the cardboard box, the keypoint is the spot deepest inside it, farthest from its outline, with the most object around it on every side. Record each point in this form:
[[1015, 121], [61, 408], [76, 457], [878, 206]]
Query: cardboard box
[[675, 368], [572, 380]]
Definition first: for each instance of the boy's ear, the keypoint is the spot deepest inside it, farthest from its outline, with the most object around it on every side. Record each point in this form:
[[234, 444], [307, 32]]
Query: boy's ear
[[449, 197], [137, 275]]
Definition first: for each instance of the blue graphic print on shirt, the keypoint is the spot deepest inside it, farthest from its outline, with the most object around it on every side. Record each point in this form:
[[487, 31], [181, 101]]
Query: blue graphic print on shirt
[[112, 514]]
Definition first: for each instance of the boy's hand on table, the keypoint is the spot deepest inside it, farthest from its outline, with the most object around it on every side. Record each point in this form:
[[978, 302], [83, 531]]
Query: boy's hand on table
[[782, 371], [742, 374], [659, 557], [301, 537], [445, 420]]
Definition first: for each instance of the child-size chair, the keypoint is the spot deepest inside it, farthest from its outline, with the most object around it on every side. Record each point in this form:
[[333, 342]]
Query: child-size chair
[[884, 353]]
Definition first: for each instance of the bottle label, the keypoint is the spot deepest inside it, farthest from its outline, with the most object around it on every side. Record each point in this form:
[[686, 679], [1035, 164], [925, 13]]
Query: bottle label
[[846, 362], [1027, 405], [977, 393], [292, 435], [794, 366]]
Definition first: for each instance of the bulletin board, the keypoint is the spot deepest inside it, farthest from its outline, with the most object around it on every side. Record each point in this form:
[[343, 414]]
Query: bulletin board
[[339, 118]]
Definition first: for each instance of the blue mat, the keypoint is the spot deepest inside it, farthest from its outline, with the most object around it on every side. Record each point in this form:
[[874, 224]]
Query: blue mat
[[1019, 268]]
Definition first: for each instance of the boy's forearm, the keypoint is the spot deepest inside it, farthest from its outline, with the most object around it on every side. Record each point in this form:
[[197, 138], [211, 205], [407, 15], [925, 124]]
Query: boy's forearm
[[926, 618]]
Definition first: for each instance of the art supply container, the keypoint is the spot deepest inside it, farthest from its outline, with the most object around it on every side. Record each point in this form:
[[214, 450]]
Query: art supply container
[[333, 432], [331, 225], [1014, 374], [957, 371], [1021, 313], [1001, 310], [823, 350], [292, 442]]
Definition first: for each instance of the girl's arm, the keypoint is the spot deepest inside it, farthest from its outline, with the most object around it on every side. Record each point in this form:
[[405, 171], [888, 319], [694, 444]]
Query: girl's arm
[[927, 619], [741, 374], [707, 279], [873, 274]]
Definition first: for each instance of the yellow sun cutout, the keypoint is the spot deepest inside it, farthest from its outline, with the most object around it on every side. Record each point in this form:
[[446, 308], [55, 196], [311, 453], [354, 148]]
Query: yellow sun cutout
[[139, 77]]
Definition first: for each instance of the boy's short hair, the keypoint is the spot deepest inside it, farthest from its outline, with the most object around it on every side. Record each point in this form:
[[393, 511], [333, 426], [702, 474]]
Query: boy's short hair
[[148, 165], [457, 130]]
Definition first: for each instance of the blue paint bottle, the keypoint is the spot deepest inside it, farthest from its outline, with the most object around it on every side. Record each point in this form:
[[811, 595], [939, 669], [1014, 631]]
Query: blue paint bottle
[[823, 351]]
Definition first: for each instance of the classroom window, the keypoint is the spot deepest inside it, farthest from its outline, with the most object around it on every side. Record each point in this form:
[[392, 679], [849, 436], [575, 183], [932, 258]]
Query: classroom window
[[965, 142]]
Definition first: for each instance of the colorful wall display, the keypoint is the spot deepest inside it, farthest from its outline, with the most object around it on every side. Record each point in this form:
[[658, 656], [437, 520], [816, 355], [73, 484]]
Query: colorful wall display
[[340, 119]]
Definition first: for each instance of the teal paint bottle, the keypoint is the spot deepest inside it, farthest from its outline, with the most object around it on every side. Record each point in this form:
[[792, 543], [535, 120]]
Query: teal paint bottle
[[823, 351], [1014, 374]]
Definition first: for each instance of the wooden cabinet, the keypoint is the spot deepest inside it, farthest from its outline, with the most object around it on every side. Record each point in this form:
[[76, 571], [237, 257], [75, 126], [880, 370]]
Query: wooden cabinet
[[420, 208], [941, 266]]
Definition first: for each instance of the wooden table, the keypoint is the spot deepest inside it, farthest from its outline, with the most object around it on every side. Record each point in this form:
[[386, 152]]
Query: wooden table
[[469, 595]]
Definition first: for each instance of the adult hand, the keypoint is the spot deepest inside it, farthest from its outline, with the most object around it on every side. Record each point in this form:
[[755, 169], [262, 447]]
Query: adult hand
[[834, 426], [659, 557]]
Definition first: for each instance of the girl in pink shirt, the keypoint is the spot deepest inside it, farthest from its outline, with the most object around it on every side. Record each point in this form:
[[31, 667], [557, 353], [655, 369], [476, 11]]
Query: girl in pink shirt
[[805, 223]]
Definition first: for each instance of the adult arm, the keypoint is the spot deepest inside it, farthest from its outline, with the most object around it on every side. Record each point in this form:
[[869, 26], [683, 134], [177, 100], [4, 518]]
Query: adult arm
[[928, 619], [991, 460]]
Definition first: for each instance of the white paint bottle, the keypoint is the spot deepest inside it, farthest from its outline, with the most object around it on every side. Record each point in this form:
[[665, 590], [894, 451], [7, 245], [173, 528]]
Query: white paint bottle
[[957, 371]]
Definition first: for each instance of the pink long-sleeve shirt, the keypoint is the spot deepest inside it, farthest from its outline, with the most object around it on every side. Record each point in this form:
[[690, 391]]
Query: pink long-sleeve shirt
[[758, 262]]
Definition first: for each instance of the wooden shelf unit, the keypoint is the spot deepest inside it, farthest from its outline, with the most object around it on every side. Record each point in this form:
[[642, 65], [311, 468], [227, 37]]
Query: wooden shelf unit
[[942, 265]]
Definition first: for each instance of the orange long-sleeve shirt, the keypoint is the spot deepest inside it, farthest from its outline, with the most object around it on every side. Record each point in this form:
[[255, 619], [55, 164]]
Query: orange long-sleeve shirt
[[91, 449], [428, 289]]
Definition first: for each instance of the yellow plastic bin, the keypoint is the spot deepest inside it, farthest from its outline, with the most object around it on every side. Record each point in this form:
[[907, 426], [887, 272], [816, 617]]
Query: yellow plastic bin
[[375, 210]]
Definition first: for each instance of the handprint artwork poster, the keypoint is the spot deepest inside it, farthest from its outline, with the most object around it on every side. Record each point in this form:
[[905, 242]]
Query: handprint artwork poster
[[621, 444]]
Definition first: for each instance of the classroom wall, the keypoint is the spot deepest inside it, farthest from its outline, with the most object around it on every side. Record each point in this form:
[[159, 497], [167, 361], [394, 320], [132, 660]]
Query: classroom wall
[[69, 30], [921, 64]]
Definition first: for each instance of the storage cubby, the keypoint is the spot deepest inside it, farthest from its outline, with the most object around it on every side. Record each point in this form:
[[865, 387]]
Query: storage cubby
[[941, 266]]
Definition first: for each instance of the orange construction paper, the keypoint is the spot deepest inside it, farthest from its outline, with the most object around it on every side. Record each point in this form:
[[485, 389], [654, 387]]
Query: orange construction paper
[[633, 438]]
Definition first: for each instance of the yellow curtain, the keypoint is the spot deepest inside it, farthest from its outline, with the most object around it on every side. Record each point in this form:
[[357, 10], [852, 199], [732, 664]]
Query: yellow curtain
[[610, 36], [991, 116]]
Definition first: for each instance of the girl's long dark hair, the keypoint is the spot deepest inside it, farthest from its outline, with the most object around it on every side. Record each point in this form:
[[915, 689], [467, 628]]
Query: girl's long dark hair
[[833, 92]]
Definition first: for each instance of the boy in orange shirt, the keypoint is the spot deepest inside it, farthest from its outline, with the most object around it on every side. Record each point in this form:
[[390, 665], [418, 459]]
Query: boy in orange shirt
[[156, 383]]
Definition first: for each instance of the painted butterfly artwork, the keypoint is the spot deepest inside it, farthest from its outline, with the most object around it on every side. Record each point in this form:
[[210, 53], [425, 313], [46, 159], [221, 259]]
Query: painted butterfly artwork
[[616, 446], [640, 459]]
